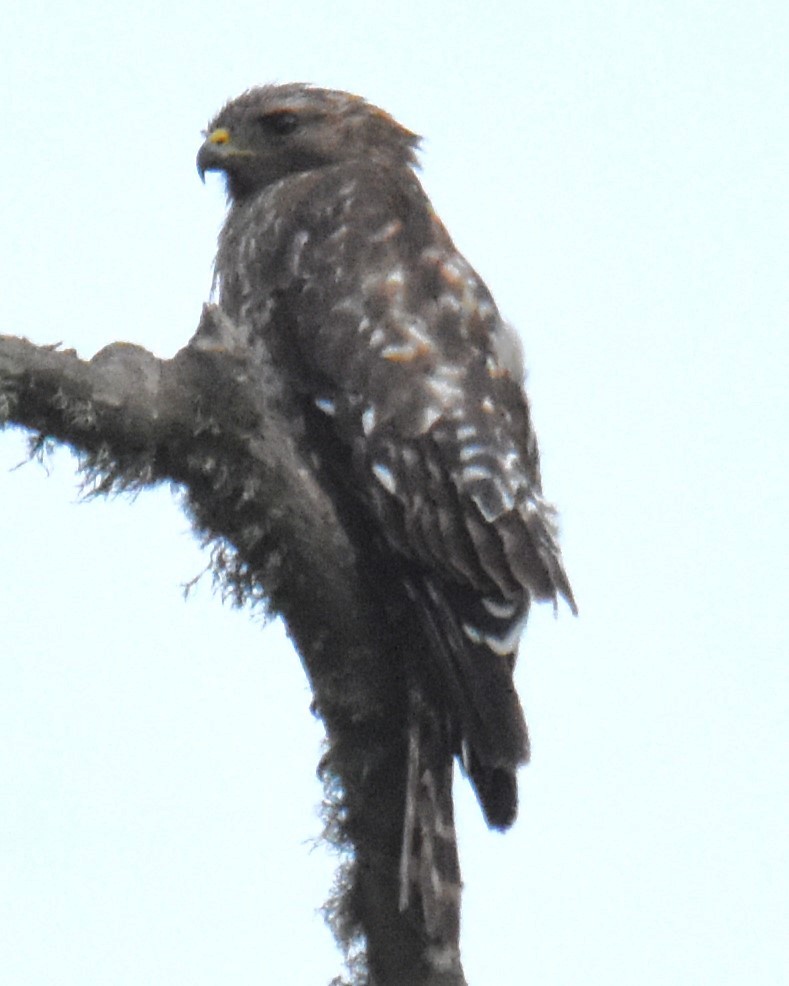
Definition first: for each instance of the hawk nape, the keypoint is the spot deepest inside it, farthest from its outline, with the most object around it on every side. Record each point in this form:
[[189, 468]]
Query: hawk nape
[[332, 257]]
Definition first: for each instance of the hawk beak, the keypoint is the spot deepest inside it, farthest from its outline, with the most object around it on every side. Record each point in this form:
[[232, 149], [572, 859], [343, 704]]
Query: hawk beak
[[212, 155]]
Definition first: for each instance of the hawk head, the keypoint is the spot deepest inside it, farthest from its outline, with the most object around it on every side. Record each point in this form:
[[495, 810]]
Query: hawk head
[[270, 132]]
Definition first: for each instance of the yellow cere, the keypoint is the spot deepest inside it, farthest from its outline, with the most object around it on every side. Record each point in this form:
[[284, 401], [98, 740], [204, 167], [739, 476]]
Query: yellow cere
[[219, 136]]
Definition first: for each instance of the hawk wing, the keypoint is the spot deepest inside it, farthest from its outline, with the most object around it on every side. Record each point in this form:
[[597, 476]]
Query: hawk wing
[[407, 355]]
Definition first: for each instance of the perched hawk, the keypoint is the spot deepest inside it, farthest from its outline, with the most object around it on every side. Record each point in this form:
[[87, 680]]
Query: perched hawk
[[333, 257]]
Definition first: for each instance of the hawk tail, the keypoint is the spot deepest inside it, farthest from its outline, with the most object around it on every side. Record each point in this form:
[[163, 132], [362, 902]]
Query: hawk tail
[[429, 864], [474, 640]]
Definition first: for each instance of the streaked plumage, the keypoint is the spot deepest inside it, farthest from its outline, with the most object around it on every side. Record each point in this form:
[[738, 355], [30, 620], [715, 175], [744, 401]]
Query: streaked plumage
[[332, 256]]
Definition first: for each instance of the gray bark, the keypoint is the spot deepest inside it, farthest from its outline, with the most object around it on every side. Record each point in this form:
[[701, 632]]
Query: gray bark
[[227, 433]]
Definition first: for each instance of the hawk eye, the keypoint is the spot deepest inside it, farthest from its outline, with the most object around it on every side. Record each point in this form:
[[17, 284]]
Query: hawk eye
[[280, 122]]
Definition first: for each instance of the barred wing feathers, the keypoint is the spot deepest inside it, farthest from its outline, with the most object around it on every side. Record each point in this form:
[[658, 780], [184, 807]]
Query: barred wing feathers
[[421, 377]]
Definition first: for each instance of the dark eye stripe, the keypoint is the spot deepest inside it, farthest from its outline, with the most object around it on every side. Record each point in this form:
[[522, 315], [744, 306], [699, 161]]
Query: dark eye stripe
[[280, 122]]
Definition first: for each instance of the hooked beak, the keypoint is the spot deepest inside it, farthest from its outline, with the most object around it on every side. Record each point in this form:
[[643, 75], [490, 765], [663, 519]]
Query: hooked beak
[[213, 155]]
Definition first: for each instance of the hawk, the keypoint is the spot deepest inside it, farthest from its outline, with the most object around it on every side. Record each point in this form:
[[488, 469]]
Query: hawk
[[333, 258]]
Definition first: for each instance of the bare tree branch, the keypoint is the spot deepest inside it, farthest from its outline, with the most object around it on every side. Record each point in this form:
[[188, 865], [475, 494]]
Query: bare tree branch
[[216, 420]]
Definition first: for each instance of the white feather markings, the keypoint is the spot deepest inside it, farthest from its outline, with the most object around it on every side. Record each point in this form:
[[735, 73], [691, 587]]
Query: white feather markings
[[327, 405], [385, 477], [501, 609], [470, 474], [296, 249], [466, 431], [469, 452], [369, 417], [429, 417], [505, 644]]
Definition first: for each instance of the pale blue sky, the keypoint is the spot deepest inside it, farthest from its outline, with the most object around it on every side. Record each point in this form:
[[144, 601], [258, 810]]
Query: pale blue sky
[[618, 173]]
